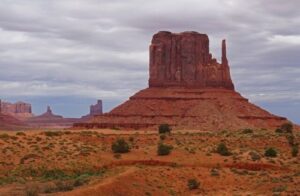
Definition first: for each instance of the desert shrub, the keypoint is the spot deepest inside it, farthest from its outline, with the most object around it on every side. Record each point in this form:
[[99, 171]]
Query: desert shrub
[[291, 139], [193, 184], [54, 174], [81, 180], [164, 128], [52, 133], [4, 136], [67, 132], [254, 156], [247, 131], [120, 146], [164, 149], [223, 150], [270, 152], [32, 190], [278, 130], [20, 134], [287, 127], [279, 189], [131, 139], [63, 186], [295, 150], [162, 136]]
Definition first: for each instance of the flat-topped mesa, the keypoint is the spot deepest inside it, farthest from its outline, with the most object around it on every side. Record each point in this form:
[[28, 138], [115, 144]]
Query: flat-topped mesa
[[18, 110], [184, 60]]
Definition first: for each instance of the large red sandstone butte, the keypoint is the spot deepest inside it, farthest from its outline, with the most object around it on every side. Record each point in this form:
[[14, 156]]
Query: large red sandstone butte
[[188, 89]]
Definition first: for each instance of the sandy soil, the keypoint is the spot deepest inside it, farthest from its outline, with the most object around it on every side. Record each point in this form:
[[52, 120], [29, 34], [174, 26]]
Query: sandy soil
[[81, 162]]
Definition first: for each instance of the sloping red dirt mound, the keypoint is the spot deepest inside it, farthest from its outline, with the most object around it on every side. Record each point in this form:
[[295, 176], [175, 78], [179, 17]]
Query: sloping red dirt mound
[[183, 108], [9, 122]]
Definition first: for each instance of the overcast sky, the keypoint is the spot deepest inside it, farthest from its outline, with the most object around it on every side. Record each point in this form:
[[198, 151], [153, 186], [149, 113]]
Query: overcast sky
[[68, 53]]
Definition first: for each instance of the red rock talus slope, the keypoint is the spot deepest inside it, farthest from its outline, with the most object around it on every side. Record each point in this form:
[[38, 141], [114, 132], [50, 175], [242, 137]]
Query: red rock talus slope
[[188, 89], [205, 109], [8, 122]]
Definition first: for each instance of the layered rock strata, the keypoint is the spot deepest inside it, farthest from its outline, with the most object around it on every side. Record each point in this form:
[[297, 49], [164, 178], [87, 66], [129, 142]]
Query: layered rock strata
[[20, 110], [188, 89]]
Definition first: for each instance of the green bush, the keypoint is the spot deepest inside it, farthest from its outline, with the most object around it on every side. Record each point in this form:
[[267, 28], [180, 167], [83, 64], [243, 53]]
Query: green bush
[[164, 149], [193, 184], [53, 133], [295, 150], [247, 131], [287, 127], [164, 128], [291, 139], [278, 130], [120, 146], [270, 152], [4, 136], [223, 150], [20, 134]]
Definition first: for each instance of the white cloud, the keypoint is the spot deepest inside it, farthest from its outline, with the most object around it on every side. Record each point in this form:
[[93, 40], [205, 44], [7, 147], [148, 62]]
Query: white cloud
[[100, 47]]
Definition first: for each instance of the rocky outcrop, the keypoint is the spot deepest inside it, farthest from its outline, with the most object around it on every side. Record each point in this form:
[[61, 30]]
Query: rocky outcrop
[[48, 119], [96, 109], [184, 60], [20, 110], [48, 115], [188, 89]]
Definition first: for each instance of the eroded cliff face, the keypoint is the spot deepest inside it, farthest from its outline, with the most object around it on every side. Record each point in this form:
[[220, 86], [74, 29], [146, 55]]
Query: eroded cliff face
[[96, 109], [19, 110], [184, 60], [188, 89]]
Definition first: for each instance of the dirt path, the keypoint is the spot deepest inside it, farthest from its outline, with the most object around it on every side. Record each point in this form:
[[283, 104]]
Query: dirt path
[[95, 189]]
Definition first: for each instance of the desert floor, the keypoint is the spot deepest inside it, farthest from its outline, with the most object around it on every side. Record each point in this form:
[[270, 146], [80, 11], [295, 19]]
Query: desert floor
[[81, 162]]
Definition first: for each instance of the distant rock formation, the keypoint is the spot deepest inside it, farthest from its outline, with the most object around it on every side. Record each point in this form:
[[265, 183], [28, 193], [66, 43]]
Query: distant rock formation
[[188, 89], [184, 60], [20, 110], [48, 119], [96, 109], [48, 115]]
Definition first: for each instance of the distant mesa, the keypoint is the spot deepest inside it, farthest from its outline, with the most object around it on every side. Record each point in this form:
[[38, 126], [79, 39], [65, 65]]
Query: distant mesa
[[19, 110], [188, 89], [7, 121]]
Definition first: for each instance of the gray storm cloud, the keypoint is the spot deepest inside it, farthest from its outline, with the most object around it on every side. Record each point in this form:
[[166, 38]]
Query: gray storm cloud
[[96, 48]]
